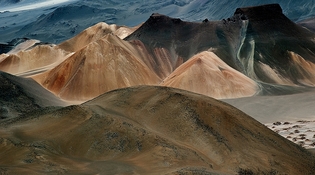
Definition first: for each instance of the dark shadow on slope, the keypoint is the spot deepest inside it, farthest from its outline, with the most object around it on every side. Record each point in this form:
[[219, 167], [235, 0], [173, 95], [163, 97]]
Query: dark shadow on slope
[[22, 95]]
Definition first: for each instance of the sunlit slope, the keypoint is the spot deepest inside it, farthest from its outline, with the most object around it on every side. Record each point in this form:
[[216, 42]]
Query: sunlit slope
[[207, 74], [92, 34], [106, 64], [147, 130], [32, 61]]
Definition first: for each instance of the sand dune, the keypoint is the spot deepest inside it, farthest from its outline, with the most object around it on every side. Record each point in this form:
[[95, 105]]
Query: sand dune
[[207, 74], [147, 130], [101, 66]]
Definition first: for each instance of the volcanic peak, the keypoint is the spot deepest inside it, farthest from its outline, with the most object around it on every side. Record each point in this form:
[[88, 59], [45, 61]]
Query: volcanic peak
[[262, 12], [157, 18]]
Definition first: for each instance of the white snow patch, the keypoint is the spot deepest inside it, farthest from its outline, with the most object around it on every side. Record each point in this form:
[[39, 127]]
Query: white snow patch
[[47, 3]]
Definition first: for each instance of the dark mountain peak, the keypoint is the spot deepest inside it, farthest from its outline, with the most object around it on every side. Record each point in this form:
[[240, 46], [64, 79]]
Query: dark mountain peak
[[156, 19], [262, 12]]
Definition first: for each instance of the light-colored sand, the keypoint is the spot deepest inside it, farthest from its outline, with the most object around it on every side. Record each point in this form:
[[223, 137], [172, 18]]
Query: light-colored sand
[[269, 109], [293, 115]]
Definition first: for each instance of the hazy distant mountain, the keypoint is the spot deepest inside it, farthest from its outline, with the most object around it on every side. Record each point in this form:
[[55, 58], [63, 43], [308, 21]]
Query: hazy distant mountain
[[60, 23], [9, 2]]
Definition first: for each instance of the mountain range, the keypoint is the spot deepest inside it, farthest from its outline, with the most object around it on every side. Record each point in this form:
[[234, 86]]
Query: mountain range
[[64, 19], [148, 98]]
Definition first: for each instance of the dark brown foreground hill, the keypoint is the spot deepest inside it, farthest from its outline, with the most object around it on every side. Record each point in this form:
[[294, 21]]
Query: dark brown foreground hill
[[22, 95], [147, 130]]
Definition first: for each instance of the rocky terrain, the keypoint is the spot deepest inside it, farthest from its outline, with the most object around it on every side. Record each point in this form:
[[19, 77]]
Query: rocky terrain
[[155, 97], [147, 130]]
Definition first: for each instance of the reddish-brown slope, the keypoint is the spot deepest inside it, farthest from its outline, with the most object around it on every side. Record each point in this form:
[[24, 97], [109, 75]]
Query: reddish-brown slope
[[207, 74], [161, 60], [101, 66]]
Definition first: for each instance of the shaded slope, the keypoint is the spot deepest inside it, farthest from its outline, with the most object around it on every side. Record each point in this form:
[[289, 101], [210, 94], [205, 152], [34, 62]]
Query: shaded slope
[[21, 95], [276, 50], [207, 74], [106, 64], [260, 42], [183, 39], [148, 130], [308, 23]]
